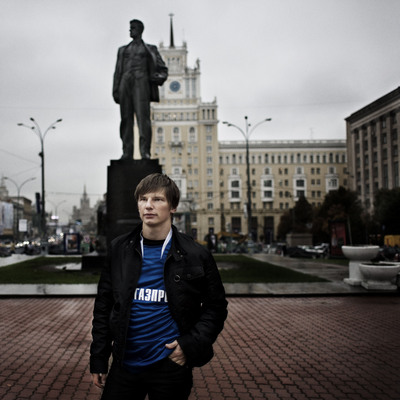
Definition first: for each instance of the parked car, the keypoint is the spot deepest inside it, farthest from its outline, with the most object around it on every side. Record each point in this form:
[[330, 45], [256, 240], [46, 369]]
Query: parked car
[[5, 249], [298, 252]]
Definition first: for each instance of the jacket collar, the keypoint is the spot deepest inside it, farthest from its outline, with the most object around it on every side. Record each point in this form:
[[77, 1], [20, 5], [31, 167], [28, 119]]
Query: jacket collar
[[177, 249]]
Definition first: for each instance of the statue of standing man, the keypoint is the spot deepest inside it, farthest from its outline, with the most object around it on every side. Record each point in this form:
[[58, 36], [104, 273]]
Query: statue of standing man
[[138, 73]]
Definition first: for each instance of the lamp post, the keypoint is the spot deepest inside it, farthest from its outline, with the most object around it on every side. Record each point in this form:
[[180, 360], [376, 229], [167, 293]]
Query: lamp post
[[18, 197], [41, 137], [246, 134]]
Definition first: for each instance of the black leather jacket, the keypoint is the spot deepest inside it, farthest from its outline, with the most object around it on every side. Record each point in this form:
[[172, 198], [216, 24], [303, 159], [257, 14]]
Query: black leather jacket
[[196, 299]]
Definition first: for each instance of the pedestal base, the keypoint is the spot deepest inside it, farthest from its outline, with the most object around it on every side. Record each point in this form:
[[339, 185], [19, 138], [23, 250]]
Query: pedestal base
[[352, 281], [372, 285], [355, 277]]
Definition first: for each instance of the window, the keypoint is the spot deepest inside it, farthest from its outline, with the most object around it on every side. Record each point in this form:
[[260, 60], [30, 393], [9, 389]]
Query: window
[[192, 135], [333, 183], [160, 135], [176, 137], [235, 194], [235, 184]]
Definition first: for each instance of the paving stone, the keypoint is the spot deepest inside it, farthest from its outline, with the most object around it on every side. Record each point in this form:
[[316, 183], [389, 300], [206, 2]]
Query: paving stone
[[274, 348]]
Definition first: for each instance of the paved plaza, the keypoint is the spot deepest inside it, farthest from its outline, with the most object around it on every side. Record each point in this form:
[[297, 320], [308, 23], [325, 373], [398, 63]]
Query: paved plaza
[[331, 348]]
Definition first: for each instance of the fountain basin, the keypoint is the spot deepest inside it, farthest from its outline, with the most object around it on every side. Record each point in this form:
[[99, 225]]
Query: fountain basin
[[360, 253], [379, 276], [357, 255]]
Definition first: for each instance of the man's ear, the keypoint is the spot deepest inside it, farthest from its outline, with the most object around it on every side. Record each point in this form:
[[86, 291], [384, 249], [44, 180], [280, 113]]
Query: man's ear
[[172, 210]]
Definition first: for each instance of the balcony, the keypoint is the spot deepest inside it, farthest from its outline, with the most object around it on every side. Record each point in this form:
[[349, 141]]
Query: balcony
[[176, 143]]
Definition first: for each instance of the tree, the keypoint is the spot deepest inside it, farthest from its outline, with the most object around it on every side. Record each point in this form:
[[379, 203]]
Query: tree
[[340, 205], [303, 215], [285, 225], [386, 210], [297, 220]]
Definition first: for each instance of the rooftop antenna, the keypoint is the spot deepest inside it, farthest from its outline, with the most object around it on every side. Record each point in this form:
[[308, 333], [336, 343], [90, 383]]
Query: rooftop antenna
[[171, 37]]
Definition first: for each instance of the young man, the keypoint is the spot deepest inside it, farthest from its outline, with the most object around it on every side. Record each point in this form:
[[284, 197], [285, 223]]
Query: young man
[[160, 304]]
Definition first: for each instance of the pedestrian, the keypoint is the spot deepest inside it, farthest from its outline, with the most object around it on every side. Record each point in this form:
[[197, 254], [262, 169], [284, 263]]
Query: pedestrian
[[138, 73], [160, 304]]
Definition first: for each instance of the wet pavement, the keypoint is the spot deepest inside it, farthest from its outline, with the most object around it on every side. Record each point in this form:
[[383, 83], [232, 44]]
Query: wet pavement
[[334, 273], [294, 342], [271, 348]]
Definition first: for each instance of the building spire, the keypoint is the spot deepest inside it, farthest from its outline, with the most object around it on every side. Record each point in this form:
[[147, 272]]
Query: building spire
[[171, 36]]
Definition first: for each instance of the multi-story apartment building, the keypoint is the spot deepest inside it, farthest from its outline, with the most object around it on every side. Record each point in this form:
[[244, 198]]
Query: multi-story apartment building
[[212, 175], [280, 172], [13, 209], [373, 147]]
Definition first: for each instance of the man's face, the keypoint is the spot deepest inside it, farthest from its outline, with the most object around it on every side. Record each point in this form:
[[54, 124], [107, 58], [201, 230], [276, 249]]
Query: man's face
[[154, 209], [135, 30]]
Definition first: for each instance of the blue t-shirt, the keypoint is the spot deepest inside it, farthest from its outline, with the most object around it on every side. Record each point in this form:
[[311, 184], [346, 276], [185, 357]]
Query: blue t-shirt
[[151, 325]]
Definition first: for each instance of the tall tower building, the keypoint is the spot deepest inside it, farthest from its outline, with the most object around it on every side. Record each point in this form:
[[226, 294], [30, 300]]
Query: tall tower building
[[185, 140]]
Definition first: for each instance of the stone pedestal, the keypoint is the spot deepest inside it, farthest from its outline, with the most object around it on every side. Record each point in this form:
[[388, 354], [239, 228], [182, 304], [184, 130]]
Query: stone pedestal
[[123, 177], [355, 277], [121, 214]]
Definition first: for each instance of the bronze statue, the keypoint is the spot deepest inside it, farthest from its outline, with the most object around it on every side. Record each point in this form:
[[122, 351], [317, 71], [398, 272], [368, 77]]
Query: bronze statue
[[138, 73]]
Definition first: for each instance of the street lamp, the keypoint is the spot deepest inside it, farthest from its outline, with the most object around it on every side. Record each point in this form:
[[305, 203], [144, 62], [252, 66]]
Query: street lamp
[[246, 134], [41, 137], [18, 197]]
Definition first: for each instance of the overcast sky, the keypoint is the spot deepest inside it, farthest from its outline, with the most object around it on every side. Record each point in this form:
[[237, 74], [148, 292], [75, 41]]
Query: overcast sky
[[307, 64]]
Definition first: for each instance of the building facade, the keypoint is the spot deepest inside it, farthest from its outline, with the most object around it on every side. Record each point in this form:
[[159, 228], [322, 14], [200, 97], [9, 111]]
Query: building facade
[[84, 217], [212, 175], [372, 147], [280, 173], [185, 140], [13, 209]]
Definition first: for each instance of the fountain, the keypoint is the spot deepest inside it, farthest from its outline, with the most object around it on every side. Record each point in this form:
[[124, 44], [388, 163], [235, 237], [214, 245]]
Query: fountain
[[357, 255], [379, 276]]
